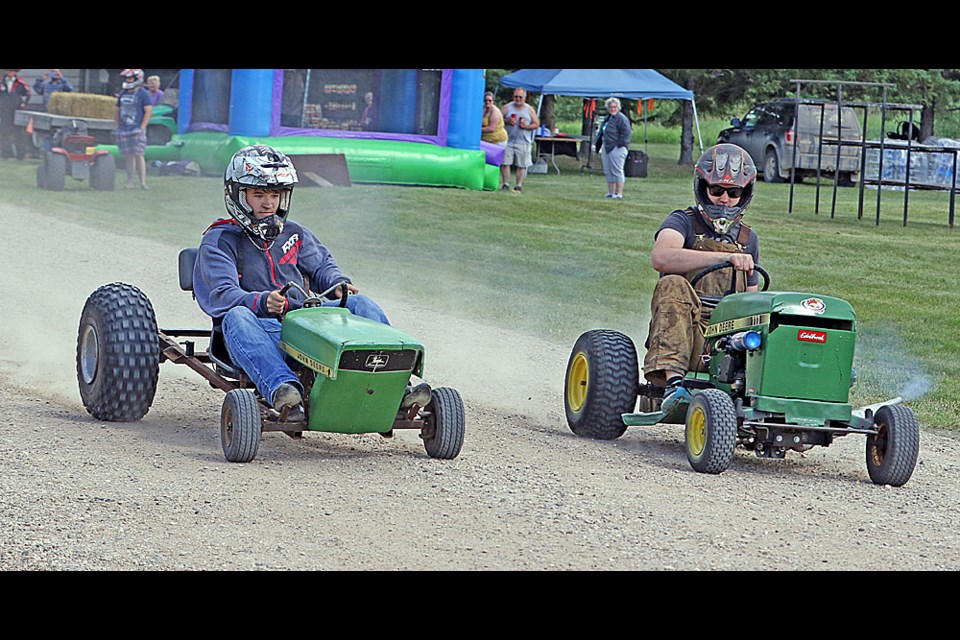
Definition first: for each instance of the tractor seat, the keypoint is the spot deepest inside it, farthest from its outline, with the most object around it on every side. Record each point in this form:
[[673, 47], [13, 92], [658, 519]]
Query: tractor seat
[[217, 350]]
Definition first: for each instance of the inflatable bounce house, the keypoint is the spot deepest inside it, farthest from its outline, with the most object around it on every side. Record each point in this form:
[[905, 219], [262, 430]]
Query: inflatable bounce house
[[394, 126]]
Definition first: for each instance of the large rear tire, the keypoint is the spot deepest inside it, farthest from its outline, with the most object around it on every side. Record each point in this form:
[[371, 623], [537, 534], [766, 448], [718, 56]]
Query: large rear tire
[[710, 437], [41, 176], [601, 384], [55, 171], [240, 425], [444, 433], [118, 353], [103, 172], [892, 453]]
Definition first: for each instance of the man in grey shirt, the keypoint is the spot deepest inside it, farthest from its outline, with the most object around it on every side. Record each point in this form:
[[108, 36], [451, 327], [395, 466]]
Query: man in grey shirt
[[521, 121]]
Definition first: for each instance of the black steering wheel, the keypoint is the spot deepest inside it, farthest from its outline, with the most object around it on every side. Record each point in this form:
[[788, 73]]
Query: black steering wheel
[[316, 299], [713, 300]]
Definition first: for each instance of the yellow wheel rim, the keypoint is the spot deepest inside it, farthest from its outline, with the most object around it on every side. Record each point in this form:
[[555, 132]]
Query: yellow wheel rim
[[697, 432], [877, 443], [577, 382]]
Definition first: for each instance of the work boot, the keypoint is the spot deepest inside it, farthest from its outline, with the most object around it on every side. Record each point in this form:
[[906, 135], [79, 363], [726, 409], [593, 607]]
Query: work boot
[[420, 395], [296, 415], [286, 395], [672, 396]]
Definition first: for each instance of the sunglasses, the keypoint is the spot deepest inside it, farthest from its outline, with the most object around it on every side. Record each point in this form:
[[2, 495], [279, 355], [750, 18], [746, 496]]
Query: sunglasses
[[716, 191]]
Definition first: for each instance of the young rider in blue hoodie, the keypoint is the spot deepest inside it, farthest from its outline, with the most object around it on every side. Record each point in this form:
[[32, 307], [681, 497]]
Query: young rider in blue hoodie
[[245, 260]]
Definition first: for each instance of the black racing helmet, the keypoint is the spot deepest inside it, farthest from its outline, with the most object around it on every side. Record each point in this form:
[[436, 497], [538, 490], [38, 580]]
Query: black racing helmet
[[259, 167], [724, 165]]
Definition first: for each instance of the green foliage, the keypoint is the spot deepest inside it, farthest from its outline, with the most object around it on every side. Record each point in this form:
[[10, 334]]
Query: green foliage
[[503, 94], [727, 93]]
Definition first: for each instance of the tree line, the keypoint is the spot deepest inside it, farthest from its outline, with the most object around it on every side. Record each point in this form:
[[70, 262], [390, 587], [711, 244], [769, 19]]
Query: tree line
[[934, 90]]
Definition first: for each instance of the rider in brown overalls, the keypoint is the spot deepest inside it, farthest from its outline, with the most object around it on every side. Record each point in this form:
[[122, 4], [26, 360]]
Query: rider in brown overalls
[[688, 242]]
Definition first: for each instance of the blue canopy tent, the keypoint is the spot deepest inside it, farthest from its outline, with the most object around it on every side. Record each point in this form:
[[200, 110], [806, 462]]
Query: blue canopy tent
[[637, 84]]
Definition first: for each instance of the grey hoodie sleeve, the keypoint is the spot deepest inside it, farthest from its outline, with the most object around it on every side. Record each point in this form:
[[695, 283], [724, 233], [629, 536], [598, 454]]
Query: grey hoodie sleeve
[[216, 282]]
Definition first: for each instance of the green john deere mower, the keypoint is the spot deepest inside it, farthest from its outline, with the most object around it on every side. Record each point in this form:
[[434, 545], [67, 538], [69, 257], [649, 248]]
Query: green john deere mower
[[778, 367], [358, 374]]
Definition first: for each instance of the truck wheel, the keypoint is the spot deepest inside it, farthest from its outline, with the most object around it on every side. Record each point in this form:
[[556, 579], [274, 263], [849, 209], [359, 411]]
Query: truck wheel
[[711, 434], [103, 172], [240, 425], [892, 452], [846, 179], [56, 171], [601, 384], [771, 167], [118, 353], [445, 424]]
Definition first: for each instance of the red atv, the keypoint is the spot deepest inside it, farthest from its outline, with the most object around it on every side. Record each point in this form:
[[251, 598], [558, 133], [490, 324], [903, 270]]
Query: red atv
[[72, 153]]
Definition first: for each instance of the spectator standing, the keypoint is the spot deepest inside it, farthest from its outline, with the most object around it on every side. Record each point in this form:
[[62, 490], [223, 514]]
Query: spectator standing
[[14, 94], [369, 116], [48, 86], [616, 144], [133, 115], [491, 125], [153, 86], [520, 121]]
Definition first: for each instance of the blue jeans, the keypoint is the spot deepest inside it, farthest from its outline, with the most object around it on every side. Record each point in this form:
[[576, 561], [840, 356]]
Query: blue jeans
[[254, 343]]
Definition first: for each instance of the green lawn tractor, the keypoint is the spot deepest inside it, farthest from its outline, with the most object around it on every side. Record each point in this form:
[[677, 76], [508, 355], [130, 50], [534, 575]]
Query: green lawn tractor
[[777, 372], [356, 372]]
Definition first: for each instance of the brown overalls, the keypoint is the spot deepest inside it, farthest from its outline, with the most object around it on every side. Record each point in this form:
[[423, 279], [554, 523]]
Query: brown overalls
[[677, 318]]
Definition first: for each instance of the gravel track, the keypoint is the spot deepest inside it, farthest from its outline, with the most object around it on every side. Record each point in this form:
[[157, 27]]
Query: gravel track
[[524, 494]]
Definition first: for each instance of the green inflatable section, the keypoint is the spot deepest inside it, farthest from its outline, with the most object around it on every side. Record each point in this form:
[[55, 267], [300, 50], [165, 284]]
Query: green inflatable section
[[372, 161]]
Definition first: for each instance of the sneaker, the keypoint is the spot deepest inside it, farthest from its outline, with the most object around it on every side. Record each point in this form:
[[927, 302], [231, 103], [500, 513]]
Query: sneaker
[[286, 395], [617, 195], [673, 396], [518, 188], [504, 187], [420, 395], [609, 195]]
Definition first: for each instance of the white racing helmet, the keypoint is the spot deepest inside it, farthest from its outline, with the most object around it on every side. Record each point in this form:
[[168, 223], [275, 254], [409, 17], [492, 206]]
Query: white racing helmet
[[132, 78], [259, 167]]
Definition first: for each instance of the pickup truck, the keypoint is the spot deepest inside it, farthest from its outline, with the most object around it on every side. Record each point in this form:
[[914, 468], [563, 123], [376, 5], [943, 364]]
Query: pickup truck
[[769, 133]]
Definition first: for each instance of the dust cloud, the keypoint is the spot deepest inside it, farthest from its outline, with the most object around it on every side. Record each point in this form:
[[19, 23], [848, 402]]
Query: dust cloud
[[48, 280]]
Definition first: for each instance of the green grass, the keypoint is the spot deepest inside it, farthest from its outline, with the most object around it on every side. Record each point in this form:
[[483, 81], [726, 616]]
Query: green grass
[[561, 259]]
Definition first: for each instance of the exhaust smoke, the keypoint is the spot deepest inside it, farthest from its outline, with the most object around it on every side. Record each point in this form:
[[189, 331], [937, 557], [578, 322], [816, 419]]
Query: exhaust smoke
[[887, 367]]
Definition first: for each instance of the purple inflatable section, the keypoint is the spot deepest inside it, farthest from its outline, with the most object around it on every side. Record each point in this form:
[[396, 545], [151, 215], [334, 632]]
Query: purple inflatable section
[[442, 123], [494, 153]]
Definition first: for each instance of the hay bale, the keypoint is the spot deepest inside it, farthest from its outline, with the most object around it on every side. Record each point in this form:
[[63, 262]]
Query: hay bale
[[82, 105]]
